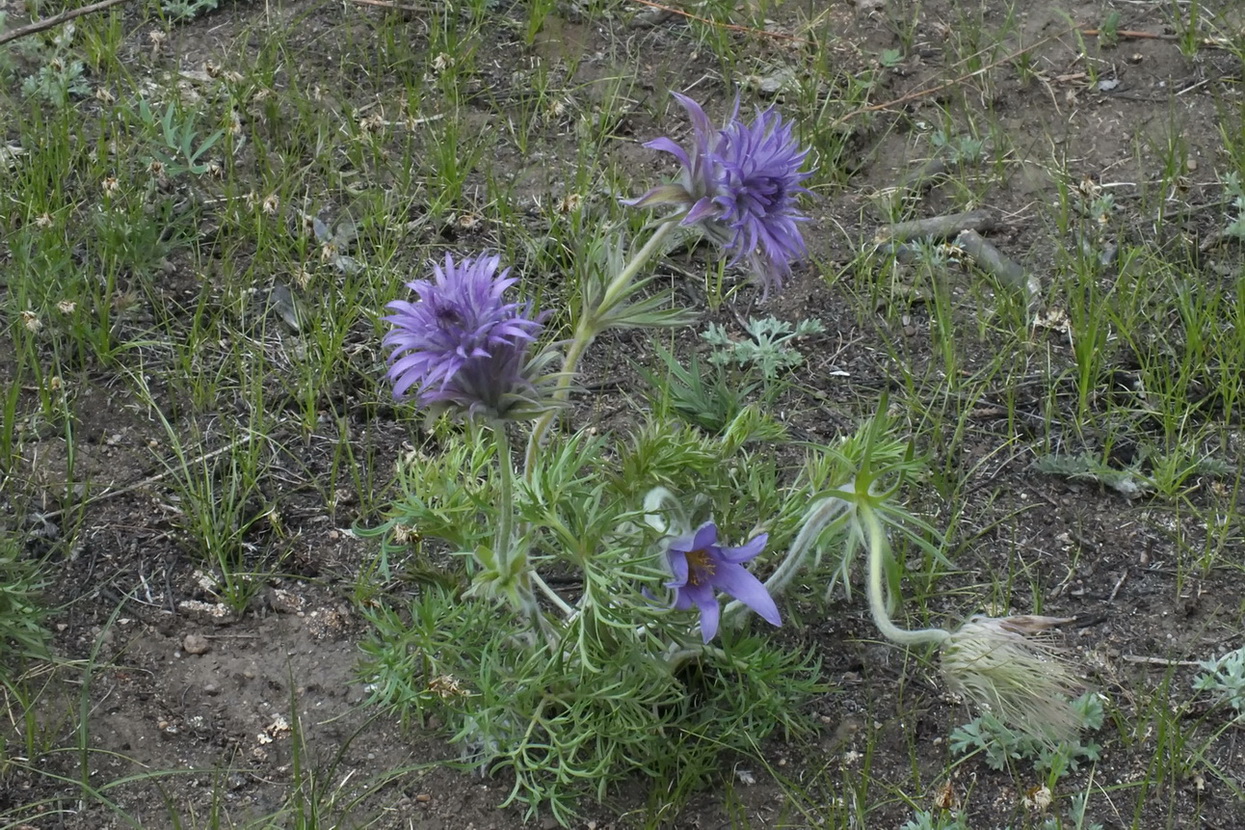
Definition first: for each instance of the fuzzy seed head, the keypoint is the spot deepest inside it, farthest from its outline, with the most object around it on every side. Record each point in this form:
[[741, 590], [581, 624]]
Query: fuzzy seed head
[[1007, 667]]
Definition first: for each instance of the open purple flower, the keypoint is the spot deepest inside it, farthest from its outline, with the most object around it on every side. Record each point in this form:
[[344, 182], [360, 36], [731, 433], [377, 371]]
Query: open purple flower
[[461, 343], [739, 184], [700, 567], [759, 179]]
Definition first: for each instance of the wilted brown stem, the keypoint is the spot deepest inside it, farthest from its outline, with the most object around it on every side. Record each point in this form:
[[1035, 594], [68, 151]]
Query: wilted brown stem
[[57, 19]]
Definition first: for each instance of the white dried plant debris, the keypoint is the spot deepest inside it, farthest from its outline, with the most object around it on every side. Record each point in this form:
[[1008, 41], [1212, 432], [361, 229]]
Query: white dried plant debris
[[206, 581], [288, 602], [446, 686], [215, 612], [9, 154], [279, 726], [1039, 798]]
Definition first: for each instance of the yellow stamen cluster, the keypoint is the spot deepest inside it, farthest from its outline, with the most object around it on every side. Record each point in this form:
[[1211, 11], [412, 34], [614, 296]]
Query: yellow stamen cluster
[[699, 566]]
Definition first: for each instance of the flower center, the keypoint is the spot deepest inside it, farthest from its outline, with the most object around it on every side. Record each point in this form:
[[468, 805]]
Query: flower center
[[762, 194], [700, 567], [448, 317]]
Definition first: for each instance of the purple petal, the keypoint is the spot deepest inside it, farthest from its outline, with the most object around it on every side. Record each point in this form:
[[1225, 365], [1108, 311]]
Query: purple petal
[[403, 383], [700, 121], [667, 145], [704, 209], [738, 582], [706, 536], [698, 595], [678, 568], [746, 552], [710, 615]]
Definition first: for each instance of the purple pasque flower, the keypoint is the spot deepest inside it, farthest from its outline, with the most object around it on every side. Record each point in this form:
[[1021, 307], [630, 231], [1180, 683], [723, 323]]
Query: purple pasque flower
[[759, 179], [740, 184], [461, 344], [698, 182], [701, 566]]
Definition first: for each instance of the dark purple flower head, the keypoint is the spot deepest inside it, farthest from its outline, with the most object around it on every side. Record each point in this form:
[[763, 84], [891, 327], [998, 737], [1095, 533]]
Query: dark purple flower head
[[700, 567], [461, 343], [740, 184], [759, 179]]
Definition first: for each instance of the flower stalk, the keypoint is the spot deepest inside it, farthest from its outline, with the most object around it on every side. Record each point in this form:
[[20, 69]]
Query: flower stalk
[[504, 542], [820, 516], [875, 541], [617, 289], [998, 663], [590, 324]]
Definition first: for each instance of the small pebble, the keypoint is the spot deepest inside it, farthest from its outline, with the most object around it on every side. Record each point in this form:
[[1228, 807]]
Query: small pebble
[[196, 644]]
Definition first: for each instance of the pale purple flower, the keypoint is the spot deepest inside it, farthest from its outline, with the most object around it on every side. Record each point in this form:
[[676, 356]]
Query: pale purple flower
[[698, 182], [740, 184], [461, 343], [700, 566], [759, 170]]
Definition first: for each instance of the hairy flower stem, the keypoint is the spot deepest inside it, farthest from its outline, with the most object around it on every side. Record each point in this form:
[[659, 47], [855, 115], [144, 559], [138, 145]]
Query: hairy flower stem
[[875, 539], [820, 516], [553, 595], [503, 543], [588, 327], [519, 575], [618, 287]]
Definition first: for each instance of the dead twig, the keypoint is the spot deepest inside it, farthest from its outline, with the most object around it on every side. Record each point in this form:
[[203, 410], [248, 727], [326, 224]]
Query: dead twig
[[932, 90], [158, 477], [1119, 583], [747, 30], [1130, 34], [57, 19], [939, 227], [991, 260], [925, 176], [916, 182], [1157, 661], [383, 4]]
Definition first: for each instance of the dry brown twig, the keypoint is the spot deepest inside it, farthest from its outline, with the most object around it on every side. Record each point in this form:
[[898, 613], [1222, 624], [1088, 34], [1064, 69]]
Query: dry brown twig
[[57, 19], [158, 477], [993, 262], [383, 4], [939, 227], [956, 81], [885, 105], [732, 27], [1130, 34]]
